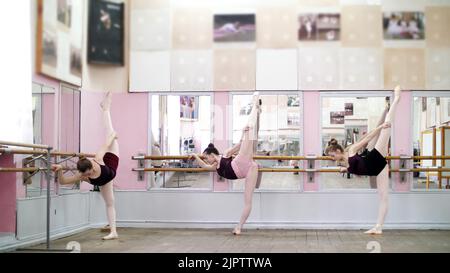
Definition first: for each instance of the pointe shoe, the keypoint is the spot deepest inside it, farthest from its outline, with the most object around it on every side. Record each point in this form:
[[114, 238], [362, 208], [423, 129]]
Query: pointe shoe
[[106, 103], [236, 231], [111, 236], [376, 230]]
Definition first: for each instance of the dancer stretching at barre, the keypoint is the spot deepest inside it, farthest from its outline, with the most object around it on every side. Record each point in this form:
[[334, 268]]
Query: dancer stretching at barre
[[374, 163], [243, 165], [101, 170]]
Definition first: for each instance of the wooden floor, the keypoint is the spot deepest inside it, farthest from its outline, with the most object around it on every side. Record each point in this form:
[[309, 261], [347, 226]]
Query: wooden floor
[[257, 241]]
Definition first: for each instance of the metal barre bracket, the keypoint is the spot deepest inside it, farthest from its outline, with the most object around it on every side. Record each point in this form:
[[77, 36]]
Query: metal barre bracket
[[141, 166], [402, 166], [310, 169]]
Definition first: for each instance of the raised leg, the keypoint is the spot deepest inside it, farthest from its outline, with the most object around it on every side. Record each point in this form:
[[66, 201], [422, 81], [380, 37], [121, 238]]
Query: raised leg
[[106, 107], [382, 119], [382, 144]]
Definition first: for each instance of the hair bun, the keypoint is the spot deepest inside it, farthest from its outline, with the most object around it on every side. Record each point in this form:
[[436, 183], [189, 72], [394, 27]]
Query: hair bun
[[211, 145]]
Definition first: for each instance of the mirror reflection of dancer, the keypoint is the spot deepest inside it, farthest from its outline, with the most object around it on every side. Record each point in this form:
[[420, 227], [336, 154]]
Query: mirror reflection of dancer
[[243, 165], [374, 163], [101, 170]]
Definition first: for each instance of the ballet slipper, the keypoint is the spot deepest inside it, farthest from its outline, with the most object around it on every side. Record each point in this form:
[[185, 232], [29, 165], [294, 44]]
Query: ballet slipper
[[111, 236]]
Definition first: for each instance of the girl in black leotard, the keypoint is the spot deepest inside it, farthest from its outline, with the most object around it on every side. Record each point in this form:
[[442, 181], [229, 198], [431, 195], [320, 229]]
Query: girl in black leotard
[[374, 163], [101, 170]]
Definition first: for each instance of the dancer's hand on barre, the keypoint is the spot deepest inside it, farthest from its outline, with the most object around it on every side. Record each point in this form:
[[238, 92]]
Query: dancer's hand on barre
[[56, 167], [193, 156]]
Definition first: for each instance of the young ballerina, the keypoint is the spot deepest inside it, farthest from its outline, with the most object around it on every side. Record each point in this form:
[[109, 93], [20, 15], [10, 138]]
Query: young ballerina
[[101, 170], [374, 163], [243, 165]]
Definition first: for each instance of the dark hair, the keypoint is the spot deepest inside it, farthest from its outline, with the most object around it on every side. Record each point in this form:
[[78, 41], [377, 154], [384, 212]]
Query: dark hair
[[211, 150], [334, 148], [84, 164], [333, 141]]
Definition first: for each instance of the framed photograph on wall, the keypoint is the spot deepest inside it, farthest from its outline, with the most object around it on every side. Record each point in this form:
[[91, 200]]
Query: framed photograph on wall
[[60, 39], [404, 25], [234, 28], [319, 27], [189, 106], [106, 32], [337, 117]]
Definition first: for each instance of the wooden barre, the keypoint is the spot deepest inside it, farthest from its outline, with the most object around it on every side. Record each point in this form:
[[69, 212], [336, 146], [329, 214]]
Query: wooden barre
[[198, 170], [184, 157], [17, 144], [25, 170], [42, 152]]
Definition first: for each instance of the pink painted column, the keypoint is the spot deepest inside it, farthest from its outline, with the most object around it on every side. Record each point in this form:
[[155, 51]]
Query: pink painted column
[[311, 135], [221, 108], [401, 139], [129, 114], [7, 196]]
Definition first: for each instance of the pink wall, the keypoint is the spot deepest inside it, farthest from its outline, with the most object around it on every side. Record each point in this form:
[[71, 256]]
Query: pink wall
[[402, 142], [311, 134], [48, 119], [221, 131], [129, 115], [7, 196]]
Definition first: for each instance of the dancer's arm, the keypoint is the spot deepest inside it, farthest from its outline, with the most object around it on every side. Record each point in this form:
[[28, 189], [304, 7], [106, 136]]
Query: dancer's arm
[[203, 164], [366, 139], [233, 150], [58, 169]]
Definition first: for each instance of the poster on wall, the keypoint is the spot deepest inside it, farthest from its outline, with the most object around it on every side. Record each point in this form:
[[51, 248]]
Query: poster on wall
[[234, 28], [404, 25], [189, 106], [337, 117], [59, 40], [106, 33], [319, 27], [349, 109]]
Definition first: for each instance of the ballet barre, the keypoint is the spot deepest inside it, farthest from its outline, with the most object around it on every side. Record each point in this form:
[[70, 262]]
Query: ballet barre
[[18, 144], [310, 164], [29, 170], [184, 157], [42, 152], [281, 170]]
